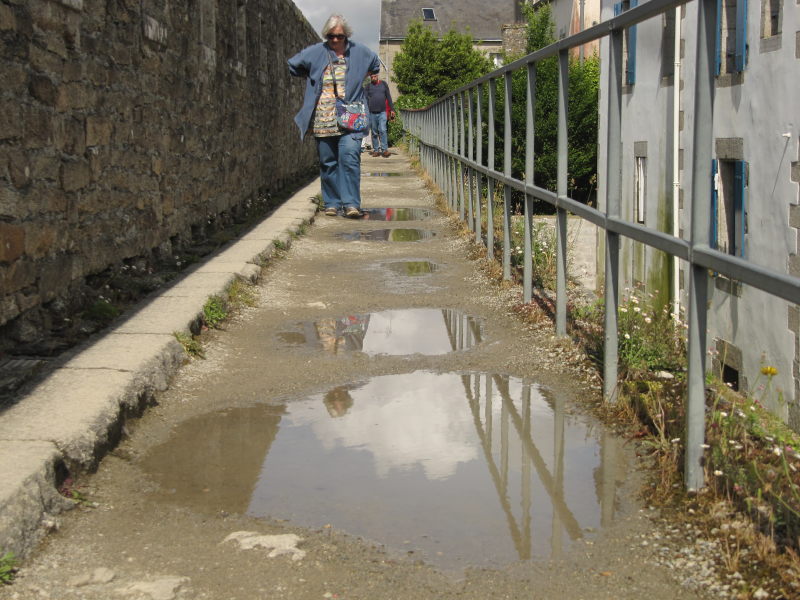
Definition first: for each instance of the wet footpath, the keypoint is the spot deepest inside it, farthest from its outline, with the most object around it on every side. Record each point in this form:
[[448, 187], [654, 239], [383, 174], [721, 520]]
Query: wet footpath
[[378, 425]]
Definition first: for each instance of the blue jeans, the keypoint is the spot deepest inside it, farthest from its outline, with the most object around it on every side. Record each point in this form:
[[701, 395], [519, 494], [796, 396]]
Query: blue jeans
[[377, 124], [340, 170]]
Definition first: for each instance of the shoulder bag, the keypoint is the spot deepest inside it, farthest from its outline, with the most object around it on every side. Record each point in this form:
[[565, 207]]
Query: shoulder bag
[[351, 116]]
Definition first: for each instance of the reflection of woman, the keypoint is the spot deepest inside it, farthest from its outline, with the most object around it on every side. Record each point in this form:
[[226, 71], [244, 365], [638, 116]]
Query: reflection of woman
[[339, 151], [338, 401]]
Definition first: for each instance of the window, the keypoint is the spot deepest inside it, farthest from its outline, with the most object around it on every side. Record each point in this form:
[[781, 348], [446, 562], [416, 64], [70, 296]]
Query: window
[[629, 43], [731, 39], [639, 186], [428, 14], [770, 18], [728, 206]]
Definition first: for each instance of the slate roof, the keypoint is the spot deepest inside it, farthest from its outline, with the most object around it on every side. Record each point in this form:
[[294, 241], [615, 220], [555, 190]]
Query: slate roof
[[484, 19]]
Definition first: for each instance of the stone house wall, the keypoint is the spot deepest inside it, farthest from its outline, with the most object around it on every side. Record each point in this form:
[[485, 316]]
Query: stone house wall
[[127, 125]]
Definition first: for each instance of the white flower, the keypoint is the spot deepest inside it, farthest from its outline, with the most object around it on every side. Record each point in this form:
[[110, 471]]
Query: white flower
[[717, 472], [648, 320], [776, 451], [675, 440], [722, 413], [705, 446], [637, 309], [623, 310], [627, 336]]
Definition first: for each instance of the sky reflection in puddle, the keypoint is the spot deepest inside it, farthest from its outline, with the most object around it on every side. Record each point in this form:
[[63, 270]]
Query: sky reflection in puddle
[[430, 331], [461, 469]]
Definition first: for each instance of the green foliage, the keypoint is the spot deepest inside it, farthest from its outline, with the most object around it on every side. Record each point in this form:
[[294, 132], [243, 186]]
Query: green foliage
[[582, 115], [8, 567], [241, 293], [215, 311], [190, 345], [753, 458], [102, 311], [427, 68]]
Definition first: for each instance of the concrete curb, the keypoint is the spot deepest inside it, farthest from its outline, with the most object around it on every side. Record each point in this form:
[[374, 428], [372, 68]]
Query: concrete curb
[[77, 413]]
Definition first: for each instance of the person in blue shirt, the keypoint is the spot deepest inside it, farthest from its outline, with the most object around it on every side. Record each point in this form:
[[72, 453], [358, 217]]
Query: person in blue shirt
[[339, 151], [379, 103]]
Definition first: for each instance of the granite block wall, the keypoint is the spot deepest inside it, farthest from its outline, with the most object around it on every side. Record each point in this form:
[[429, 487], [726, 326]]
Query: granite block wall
[[128, 124]]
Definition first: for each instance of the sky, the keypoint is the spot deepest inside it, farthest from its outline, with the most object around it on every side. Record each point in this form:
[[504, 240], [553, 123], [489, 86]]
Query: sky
[[363, 16]]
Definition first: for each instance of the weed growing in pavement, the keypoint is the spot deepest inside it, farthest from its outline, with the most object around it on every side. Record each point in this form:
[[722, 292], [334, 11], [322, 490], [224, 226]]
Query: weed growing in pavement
[[280, 245], [8, 568], [241, 293], [649, 338], [215, 311], [191, 346]]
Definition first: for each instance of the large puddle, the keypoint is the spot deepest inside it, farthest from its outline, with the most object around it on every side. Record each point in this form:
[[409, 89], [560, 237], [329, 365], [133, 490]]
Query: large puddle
[[396, 214], [457, 469], [429, 331], [389, 235]]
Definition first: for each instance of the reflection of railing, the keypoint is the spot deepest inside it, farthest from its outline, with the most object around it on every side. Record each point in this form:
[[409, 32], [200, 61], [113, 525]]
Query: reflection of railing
[[563, 520], [463, 330], [449, 137]]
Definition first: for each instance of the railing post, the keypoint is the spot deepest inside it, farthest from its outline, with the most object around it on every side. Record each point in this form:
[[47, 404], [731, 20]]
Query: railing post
[[453, 149], [461, 153], [530, 102], [470, 157], [490, 181], [701, 221], [479, 160], [507, 173], [613, 201], [561, 214]]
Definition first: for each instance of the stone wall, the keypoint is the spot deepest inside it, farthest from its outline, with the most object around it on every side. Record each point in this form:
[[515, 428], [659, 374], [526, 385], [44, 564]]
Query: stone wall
[[127, 125]]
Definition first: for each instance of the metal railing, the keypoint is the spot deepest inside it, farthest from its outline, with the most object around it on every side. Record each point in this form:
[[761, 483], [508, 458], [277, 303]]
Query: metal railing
[[446, 135]]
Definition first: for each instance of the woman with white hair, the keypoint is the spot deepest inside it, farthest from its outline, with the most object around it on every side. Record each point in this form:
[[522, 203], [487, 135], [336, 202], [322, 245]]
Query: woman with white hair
[[337, 65]]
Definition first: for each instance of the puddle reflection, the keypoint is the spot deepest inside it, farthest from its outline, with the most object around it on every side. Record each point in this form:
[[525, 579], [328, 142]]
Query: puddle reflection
[[381, 174], [428, 331], [389, 235], [396, 214], [462, 469], [413, 267]]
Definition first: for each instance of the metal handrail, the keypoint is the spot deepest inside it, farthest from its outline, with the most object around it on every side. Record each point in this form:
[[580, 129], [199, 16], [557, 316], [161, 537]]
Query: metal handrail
[[445, 138]]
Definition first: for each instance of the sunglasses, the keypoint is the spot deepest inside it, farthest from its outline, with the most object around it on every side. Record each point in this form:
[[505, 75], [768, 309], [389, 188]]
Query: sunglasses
[[336, 36]]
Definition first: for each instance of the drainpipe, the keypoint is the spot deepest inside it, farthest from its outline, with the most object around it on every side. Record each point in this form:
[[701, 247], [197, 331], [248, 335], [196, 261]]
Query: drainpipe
[[676, 181]]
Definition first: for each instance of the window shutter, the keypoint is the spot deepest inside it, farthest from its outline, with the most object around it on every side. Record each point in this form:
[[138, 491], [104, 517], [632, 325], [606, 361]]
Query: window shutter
[[714, 205], [740, 207], [630, 73], [718, 41], [741, 34]]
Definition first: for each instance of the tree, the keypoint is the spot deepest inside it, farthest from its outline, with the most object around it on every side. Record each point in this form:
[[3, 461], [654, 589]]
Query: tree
[[427, 68], [581, 115]]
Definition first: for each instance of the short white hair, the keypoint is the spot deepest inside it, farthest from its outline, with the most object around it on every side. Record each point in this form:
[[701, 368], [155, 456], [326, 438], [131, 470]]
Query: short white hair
[[334, 21]]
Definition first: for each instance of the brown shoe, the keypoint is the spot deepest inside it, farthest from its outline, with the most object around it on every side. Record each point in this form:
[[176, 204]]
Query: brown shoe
[[386, 154], [374, 153]]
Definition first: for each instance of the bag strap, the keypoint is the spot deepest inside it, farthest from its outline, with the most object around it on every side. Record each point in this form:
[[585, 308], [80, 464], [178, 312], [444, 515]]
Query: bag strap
[[333, 76]]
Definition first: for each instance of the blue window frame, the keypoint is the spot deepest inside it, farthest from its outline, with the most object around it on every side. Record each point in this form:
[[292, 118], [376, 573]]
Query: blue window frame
[[630, 42], [731, 36], [729, 206]]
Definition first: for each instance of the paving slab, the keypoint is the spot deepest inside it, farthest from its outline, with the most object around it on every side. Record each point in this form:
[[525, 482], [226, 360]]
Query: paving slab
[[77, 412]]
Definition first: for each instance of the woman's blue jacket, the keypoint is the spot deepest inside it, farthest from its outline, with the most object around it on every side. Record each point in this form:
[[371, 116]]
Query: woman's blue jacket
[[311, 63]]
